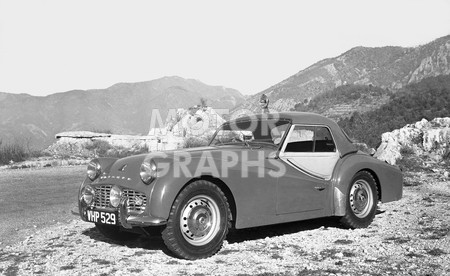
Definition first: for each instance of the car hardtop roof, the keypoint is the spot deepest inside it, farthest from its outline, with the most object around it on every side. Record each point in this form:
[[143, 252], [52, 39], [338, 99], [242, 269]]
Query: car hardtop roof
[[294, 117], [344, 145]]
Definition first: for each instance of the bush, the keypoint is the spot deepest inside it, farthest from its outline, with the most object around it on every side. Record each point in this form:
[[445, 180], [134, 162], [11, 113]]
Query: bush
[[15, 152], [411, 163], [99, 147], [102, 148], [427, 99], [406, 150], [193, 142]]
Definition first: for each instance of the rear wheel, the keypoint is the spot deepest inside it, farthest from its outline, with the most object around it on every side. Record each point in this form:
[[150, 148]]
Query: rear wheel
[[115, 233], [362, 199], [198, 222]]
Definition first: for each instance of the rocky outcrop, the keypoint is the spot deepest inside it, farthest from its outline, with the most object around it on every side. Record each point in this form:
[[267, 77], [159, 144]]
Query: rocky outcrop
[[196, 121], [436, 64], [200, 122], [429, 139], [89, 144]]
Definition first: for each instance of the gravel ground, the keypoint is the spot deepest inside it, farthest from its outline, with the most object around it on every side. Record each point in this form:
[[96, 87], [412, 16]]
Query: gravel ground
[[407, 237]]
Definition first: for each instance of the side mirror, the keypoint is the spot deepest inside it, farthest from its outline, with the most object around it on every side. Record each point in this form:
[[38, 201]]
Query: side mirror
[[273, 155], [277, 141]]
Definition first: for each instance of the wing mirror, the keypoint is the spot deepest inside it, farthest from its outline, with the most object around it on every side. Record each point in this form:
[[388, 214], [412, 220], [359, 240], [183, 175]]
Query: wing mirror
[[273, 155], [277, 141]]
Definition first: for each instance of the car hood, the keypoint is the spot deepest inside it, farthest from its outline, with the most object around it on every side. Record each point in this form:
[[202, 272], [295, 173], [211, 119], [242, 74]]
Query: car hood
[[129, 167]]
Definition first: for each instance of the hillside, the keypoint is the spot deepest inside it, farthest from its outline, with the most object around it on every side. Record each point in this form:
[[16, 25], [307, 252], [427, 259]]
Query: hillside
[[385, 67], [123, 108], [429, 98], [344, 100]]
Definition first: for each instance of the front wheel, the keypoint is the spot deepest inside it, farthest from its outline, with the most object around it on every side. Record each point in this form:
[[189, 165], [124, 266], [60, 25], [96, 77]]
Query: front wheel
[[362, 199], [198, 221]]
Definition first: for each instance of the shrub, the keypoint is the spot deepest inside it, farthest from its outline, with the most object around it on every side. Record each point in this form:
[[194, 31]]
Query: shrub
[[406, 150], [99, 147], [410, 163], [427, 99], [193, 142], [102, 148], [15, 152], [418, 140]]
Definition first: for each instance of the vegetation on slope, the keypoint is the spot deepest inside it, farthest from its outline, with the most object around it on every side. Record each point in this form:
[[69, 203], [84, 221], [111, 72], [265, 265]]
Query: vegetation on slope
[[427, 99], [343, 100]]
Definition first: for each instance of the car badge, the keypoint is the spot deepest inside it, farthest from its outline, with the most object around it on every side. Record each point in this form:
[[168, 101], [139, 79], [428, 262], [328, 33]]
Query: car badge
[[123, 168], [138, 201]]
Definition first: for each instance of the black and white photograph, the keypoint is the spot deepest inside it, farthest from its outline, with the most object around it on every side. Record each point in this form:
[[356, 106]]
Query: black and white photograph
[[213, 137]]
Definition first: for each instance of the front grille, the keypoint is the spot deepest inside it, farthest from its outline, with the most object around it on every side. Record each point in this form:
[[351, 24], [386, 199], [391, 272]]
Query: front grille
[[102, 196], [134, 198], [137, 201]]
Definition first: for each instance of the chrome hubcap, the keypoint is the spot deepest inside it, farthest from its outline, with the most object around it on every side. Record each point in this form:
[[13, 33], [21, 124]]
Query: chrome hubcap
[[361, 198], [200, 220]]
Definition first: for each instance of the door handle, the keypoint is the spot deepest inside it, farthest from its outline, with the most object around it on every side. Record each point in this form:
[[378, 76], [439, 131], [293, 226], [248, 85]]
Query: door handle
[[319, 188]]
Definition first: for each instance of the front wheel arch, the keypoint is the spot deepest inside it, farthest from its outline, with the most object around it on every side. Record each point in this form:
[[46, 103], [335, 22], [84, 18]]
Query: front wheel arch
[[228, 194], [199, 221], [223, 187]]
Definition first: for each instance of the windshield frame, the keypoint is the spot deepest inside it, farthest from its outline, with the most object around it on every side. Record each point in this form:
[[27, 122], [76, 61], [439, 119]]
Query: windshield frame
[[287, 122]]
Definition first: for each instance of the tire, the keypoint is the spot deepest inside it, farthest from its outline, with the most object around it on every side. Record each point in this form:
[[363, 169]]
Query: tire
[[198, 221], [114, 233], [362, 199]]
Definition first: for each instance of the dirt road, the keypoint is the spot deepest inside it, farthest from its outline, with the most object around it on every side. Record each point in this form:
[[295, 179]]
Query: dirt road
[[36, 198], [411, 237]]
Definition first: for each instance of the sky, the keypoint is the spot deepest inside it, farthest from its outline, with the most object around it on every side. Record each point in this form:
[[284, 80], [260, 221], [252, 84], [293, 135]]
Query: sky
[[51, 46]]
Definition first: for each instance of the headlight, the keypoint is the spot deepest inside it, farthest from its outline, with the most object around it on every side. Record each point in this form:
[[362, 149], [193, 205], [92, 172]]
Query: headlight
[[114, 196], [88, 194], [93, 169], [148, 171]]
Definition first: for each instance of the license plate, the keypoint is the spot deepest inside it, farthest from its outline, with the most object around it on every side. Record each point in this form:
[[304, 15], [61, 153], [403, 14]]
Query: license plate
[[101, 217]]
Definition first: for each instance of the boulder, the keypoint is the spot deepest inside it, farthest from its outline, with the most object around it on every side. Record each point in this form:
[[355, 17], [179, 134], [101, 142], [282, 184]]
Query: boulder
[[429, 138]]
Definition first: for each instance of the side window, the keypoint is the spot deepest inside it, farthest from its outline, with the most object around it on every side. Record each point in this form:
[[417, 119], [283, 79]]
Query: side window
[[301, 139], [310, 139], [324, 141]]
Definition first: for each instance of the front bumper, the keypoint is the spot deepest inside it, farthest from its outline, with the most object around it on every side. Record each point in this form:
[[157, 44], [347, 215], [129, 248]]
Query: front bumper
[[127, 219]]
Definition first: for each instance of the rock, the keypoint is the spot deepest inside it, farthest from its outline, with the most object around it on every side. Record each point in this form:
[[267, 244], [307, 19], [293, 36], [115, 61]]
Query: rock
[[198, 122], [429, 138]]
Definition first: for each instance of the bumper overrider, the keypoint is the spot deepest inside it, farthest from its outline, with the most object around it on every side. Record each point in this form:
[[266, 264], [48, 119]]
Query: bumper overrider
[[126, 219]]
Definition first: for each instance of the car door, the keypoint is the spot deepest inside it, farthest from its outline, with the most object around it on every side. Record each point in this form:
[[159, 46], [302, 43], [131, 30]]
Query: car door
[[310, 156]]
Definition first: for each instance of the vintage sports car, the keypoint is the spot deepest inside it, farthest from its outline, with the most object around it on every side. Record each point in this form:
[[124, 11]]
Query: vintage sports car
[[257, 170]]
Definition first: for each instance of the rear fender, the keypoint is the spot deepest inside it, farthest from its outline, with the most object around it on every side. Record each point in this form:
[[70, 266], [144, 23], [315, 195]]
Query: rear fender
[[389, 179]]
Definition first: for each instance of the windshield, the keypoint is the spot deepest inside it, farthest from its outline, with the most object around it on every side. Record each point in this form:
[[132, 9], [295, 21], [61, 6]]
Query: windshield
[[251, 131]]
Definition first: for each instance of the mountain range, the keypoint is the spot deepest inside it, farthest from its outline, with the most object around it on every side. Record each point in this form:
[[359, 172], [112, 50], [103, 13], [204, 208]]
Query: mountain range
[[123, 108], [360, 79], [390, 68]]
